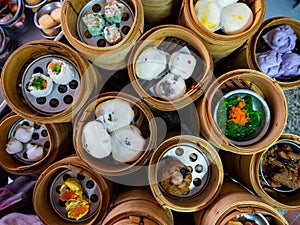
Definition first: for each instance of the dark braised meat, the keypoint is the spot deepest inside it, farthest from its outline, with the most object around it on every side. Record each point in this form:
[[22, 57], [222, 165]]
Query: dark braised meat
[[281, 166]]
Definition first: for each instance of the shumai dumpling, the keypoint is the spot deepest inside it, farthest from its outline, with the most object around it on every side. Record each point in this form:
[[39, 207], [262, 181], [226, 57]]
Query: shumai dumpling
[[151, 64]]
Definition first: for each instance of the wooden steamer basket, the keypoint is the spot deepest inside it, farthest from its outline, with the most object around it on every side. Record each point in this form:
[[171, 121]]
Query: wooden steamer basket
[[144, 120], [159, 12], [196, 84], [41, 197], [245, 79], [197, 198], [220, 45], [246, 56], [246, 169], [232, 201], [137, 206], [90, 81], [59, 146], [112, 57]]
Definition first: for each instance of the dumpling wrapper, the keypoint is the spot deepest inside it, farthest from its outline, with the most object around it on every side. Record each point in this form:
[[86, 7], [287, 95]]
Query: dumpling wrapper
[[182, 64], [225, 3], [151, 64], [128, 144], [24, 133], [236, 18], [44, 92], [34, 152], [66, 73], [170, 87], [95, 140], [209, 14], [114, 114], [14, 146]]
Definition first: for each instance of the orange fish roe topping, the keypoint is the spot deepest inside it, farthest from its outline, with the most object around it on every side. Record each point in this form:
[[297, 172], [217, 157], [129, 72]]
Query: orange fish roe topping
[[110, 3], [237, 114]]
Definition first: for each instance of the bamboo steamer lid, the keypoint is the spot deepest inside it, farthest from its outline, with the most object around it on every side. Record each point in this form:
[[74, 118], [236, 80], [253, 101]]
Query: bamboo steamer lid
[[137, 206], [246, 56], [246, 169], [11, 79], [59, 145], [112, 57], [42, 202], [143, 119], [161, 36], [245, 79], [201, 193], [220, 45], [232, 201], [158, 12]]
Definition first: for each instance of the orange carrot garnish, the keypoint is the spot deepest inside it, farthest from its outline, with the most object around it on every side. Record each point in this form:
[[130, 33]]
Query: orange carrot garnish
[[237, 114]]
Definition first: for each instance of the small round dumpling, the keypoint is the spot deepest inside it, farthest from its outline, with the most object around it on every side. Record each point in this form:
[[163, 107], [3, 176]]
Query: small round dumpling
[[170, 87], [14, 146], [114, 114], [236, 18], [34, 152], [151, 64], [24, 133], [40, 85], [182, 64], [128, 144], [95, 140], [209, 14], [60, 71]]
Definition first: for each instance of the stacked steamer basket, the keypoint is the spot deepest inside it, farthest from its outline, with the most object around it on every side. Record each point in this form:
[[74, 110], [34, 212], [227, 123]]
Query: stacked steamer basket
[[47, 194], [137, 206], [65, 100], [185, 173], [141, 121], [53, 138], [219, 44], [111, 56], [246, 57], [170, 39], [253, 173], [271, 106], [160, 12], [236, 204]]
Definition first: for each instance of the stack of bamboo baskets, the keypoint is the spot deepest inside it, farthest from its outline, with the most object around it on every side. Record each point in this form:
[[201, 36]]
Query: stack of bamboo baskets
[[222, 200]]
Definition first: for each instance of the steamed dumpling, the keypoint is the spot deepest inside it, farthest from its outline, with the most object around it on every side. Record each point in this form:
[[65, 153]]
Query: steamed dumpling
[[224, 3], [151, 64], [34, 152], [236, 18], [60, 71], [24, 133], [95, 140], [128, 144], [14, 146], [209, 14], [182, 64], [40, 85], [114, 114]]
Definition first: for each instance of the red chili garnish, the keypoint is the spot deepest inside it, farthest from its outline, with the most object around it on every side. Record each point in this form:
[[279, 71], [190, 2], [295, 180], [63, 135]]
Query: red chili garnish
[[189, 61]]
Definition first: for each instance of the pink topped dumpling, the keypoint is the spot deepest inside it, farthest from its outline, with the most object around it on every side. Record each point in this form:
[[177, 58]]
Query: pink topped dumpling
[[182, 64]]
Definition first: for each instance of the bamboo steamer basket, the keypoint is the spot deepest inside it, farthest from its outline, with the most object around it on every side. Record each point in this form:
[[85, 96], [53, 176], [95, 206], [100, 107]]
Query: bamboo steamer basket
[[159, 12], [110, 57], [232, 201], [245, 79], [60, 144], [245, 168], [137, 206], [90, 81], [220, 45], [246, 56], [41, 201], [155, 37], [144, 120], [205, 196]]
